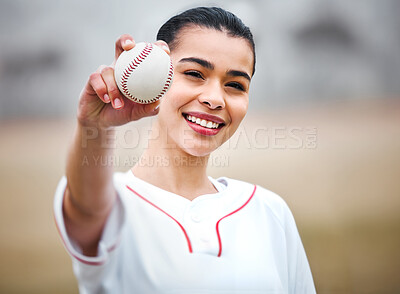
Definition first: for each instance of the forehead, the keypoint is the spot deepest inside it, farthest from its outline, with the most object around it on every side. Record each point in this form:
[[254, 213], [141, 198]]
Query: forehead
[[215, 46]]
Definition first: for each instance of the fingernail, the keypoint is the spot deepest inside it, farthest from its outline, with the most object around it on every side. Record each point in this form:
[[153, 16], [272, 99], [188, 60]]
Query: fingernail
[[117, 103], [156, 108], [165, 47], [128, 42], [106, 98]]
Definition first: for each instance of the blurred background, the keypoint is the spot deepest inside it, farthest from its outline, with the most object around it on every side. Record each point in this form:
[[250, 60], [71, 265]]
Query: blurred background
[[323, 127]]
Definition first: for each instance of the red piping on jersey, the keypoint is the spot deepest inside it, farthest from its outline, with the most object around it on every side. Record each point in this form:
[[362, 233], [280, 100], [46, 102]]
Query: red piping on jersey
[[219, 237], [183, 229]]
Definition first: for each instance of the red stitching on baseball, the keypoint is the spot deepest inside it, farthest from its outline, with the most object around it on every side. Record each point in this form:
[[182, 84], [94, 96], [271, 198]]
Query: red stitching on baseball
[[167, 82], [129, 69], [134, 64]]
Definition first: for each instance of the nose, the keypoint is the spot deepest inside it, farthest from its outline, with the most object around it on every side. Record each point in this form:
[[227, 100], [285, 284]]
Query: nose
[[213, 99]]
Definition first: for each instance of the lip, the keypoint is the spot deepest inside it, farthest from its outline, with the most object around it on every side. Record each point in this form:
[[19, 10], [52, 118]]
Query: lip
[[203, 130], [206, 116]]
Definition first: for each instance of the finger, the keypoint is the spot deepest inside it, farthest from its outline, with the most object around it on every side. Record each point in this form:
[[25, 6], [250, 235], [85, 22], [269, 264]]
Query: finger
[[113, 92], [101, 67], [99, 87], [152, 108], [163, 46], [124, 43]]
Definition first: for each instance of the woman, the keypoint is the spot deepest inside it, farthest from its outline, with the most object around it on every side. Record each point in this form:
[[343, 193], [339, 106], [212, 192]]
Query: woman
[[168, 228]]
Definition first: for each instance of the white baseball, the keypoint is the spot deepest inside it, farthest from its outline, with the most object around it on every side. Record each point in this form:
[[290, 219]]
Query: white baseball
[[144, 73]]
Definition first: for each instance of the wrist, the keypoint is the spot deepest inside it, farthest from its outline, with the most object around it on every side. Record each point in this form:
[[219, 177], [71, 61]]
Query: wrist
[[95, 125], [96, 137]]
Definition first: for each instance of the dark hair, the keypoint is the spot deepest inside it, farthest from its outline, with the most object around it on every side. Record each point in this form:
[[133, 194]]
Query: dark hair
[[208, 17]]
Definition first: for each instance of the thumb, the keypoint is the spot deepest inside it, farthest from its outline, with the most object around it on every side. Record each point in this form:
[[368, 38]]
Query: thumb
[[163, 45]]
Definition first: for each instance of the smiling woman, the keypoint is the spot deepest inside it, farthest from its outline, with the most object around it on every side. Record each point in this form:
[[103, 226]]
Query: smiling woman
[[211, 85], [168, 227]]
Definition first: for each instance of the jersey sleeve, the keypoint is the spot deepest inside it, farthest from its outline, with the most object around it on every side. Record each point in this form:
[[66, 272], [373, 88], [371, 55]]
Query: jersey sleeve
[[300, 280], [298, 277], [110, 236]]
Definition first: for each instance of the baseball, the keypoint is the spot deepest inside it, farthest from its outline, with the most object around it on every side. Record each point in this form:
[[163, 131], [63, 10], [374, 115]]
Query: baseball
[[144, 73]]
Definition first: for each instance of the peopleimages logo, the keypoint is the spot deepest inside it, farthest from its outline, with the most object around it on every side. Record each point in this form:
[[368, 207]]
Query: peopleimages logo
[[282, 137], [278, 137]]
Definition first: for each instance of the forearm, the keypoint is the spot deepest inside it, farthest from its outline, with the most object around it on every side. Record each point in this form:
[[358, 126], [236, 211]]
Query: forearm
[[89, 179], [90, 192]]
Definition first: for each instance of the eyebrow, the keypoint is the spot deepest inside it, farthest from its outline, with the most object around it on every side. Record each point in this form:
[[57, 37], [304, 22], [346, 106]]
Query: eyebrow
[[202, 62], [238, 73], [209, 65]]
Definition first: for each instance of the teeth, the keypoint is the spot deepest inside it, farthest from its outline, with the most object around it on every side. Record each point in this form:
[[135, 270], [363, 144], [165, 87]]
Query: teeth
[[202, 122]]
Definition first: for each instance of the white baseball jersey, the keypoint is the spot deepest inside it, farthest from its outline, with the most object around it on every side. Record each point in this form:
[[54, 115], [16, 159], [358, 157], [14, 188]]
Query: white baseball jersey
[[242, 239]]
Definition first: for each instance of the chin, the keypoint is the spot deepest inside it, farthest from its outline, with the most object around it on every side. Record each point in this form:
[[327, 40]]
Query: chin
[[198, 151]]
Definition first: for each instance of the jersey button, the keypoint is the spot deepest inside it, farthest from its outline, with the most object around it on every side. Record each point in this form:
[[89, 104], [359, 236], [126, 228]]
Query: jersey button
[[204, 238], [196, 218]]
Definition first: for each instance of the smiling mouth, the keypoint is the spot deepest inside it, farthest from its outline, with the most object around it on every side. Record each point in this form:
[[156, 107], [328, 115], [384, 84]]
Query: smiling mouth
[[202, 122]]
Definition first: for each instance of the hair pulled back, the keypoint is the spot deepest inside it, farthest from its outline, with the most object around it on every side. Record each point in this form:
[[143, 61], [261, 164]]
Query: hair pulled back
[[208, 17]]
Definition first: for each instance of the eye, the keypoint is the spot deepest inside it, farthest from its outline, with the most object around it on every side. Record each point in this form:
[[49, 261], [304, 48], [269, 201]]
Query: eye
[[235, 85], [194, 73]]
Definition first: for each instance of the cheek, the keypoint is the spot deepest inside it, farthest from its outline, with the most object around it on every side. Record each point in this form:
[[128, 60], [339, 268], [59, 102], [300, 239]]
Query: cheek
[[176, 96], [238, 111]]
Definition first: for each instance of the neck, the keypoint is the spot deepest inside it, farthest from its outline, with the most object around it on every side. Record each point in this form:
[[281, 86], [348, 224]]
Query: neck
[[174, 170]]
